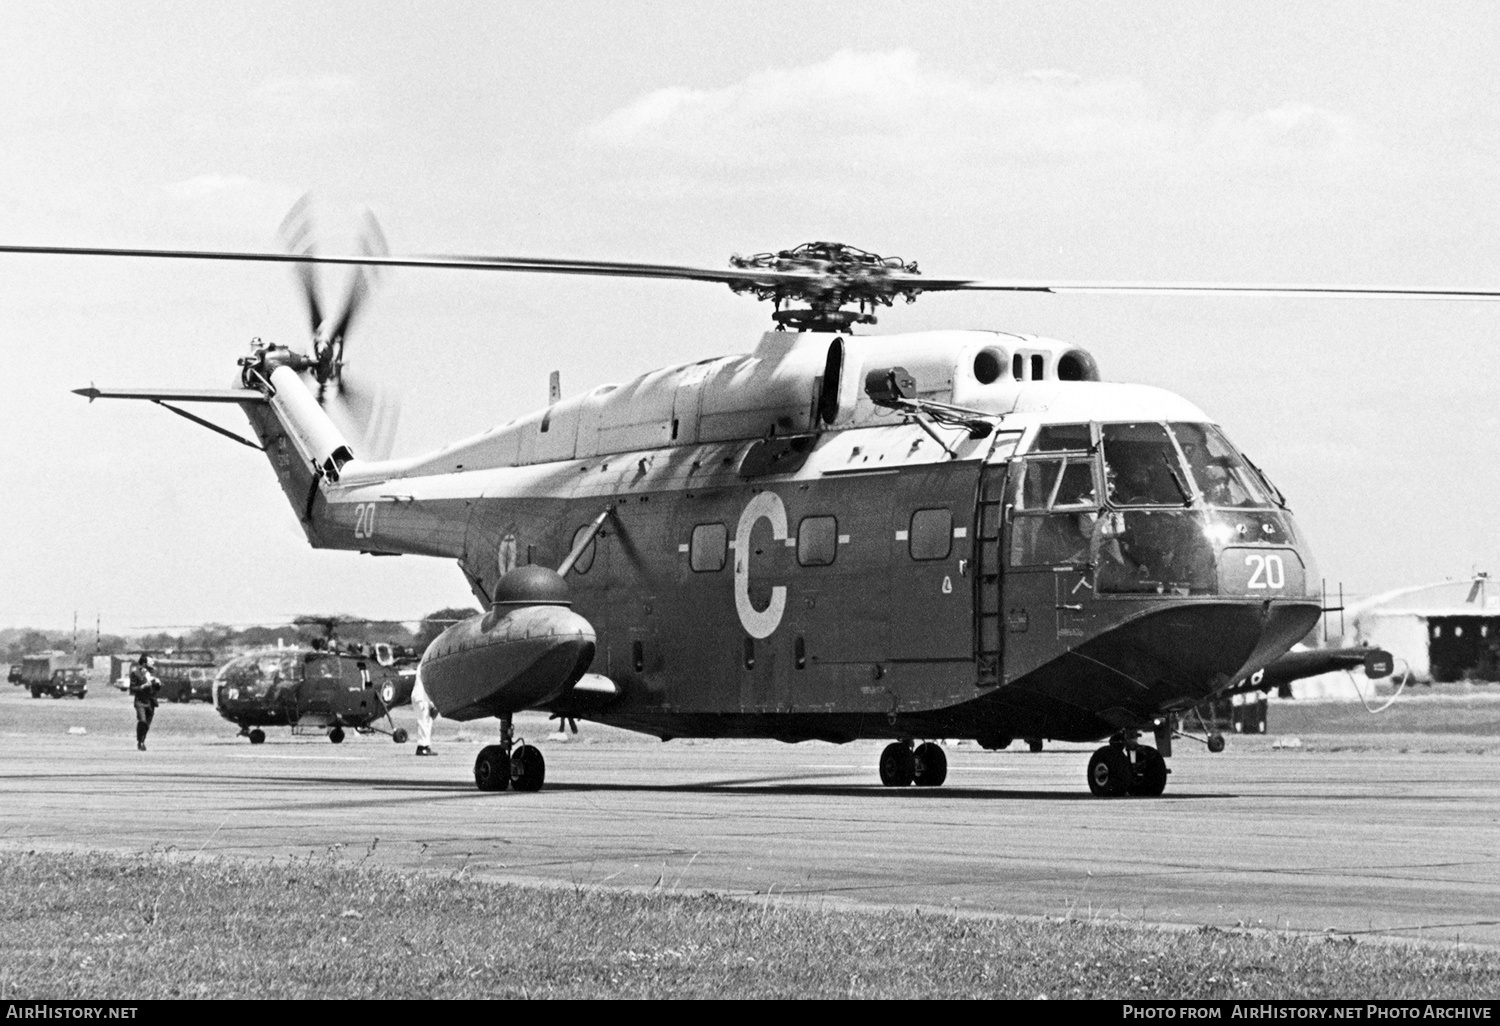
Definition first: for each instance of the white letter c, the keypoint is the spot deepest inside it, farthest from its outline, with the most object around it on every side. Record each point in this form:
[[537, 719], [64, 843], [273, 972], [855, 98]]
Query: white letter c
[[758, 623]]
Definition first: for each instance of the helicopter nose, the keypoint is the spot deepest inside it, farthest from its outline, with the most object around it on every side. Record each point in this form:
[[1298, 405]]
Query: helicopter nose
[[502, 662]]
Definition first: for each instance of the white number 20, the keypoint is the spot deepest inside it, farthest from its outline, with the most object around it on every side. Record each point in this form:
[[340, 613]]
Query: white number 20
[[1269, 572], [364, 520]]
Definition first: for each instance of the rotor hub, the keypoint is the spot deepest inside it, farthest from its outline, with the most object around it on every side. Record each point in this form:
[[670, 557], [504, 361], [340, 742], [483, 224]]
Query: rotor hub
[[831, 276]]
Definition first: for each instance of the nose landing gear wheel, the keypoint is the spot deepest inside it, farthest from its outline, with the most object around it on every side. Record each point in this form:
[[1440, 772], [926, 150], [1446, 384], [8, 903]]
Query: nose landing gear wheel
[[527, 769], [492, 769], [1150, 773], [1110, 772], [257, 736], [336, 735], [399, 735], [930, 765], [897, 765]]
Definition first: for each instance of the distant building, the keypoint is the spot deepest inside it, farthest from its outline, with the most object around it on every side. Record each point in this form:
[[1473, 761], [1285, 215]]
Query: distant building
[[1446, 631]]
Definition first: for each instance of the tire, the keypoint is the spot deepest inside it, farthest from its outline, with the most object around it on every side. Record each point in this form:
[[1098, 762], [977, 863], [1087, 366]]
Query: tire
[[36, 692], [492, 769], [399, 735], [527, 769], [257, 736], [336, 735], [1110, 772], [994, 742], [929, 765], [1150, 773], [897, 766]]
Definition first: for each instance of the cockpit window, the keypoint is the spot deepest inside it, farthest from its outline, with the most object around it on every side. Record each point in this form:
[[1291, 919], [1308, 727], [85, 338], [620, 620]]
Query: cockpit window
[[1063, 483], [1141, 467], [1222, 475], [1062, 438]]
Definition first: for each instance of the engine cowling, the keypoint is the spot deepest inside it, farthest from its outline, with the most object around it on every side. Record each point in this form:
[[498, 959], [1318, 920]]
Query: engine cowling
[[527, 650]]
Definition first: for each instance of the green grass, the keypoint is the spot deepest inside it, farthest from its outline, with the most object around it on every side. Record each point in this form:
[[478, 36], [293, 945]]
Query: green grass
[[115, 927]]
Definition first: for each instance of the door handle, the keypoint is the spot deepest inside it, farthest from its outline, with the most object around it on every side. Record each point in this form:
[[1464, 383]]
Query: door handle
[[1077, 608]]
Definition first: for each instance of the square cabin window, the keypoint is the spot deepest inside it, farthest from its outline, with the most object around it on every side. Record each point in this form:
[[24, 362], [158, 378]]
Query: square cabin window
[[817, 541], [706, 552], [931, 535]]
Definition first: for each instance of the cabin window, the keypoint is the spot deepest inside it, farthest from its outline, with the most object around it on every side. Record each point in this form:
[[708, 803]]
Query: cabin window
[[817, 541], [707, 549], [585, 558], [1038, 368], [1018, 367], [931, 534]]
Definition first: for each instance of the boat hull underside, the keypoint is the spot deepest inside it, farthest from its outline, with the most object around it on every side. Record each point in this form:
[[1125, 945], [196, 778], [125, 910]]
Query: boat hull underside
[[1164, 660]]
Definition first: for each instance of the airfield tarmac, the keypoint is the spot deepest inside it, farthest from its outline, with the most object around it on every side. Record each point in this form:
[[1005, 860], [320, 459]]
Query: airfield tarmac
[[1394, 835]]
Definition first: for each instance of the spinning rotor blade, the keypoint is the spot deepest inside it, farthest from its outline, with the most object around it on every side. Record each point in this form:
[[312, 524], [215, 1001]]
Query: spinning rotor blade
[[898, 281], [367, 415], [371, 243], [297, 234]]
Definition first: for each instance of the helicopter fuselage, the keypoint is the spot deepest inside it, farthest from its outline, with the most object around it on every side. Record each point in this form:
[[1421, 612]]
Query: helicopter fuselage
[[788, 556]]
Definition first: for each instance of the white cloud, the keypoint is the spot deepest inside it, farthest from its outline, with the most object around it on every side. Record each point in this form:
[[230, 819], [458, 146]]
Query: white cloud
[[896, 108]]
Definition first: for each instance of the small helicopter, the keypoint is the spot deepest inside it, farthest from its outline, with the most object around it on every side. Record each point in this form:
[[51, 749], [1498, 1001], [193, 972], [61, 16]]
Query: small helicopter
[[835, 536], [323, 687]]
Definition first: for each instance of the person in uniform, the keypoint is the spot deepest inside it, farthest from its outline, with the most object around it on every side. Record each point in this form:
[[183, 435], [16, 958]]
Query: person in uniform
[[422, 705], [143, 688]]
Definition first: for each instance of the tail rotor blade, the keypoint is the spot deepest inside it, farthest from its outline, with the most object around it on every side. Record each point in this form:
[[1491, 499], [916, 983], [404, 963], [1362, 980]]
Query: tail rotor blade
[[297, 236]]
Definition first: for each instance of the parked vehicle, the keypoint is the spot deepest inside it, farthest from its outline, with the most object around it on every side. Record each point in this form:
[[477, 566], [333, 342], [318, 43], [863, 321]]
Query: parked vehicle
[[15, 674], [37, 670], [68, 680]]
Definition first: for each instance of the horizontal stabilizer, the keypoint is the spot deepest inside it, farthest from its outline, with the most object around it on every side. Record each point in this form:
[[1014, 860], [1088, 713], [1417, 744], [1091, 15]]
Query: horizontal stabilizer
[[176, 395]]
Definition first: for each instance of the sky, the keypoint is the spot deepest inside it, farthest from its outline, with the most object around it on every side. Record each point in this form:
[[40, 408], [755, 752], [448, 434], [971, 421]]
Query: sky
[[1324, 143]]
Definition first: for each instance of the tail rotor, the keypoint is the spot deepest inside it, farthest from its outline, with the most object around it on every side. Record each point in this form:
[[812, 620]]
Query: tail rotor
[[365, 412]]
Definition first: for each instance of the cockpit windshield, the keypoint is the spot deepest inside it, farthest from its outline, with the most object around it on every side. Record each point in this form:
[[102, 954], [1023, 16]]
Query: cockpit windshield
[[1141, 466], [1222, 474], [1146, 506]]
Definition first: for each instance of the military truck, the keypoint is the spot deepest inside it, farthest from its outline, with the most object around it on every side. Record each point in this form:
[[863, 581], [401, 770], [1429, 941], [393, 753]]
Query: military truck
[[55, 674]]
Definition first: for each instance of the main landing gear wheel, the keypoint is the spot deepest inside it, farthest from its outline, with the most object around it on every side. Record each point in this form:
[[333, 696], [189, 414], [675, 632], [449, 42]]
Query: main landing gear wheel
[[1150, 773], [257, 736], [399, 735], [897, 765], [1110, 772], [527, 769], [492, 769], [336, 735], [929, 765]]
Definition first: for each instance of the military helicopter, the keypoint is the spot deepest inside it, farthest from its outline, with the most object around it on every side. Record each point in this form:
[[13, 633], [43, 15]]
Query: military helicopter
[[836, 536], [323, 687]]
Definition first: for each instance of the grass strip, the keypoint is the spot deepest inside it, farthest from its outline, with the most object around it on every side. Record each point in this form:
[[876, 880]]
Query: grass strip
[[115, 927]]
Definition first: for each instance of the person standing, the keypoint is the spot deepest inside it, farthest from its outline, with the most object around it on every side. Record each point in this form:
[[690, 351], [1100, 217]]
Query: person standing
[[422, 705], [143, 688]]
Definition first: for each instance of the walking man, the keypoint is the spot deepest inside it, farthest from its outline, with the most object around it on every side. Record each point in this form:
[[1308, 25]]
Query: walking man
[[143, 688]]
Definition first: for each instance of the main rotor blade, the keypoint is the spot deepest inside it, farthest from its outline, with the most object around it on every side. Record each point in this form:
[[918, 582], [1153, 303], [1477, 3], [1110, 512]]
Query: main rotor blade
[[895, 281], [537, 265], [1200, 288]]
